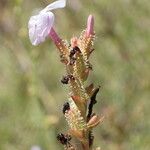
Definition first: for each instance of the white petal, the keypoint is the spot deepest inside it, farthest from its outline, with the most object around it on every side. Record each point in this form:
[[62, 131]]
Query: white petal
[[40, 26], [55, 5]]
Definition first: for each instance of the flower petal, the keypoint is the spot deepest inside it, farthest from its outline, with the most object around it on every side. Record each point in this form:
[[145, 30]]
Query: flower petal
[[55, 5], [40, 26]]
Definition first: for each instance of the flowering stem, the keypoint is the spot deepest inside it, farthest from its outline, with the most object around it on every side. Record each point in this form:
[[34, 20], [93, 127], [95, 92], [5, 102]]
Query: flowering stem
[[78, 111]]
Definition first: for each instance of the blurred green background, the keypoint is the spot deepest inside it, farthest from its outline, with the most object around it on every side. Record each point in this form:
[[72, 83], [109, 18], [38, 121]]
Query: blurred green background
[[31, 95]]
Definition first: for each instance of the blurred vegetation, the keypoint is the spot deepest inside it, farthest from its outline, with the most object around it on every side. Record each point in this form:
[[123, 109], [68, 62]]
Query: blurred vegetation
[[31, 95]]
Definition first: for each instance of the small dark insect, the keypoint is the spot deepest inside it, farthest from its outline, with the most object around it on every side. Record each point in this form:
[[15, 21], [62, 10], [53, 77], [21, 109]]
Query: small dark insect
[[77, 49], [66, 107], [65, 80], [72, 53], [74, 50], [64, 138]]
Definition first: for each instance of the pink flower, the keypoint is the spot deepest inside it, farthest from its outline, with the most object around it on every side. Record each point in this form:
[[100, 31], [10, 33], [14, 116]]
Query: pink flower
[[41, 24]]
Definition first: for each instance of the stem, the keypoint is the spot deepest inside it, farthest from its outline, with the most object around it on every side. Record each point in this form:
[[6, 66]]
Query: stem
[[85, 146], [54, 36]]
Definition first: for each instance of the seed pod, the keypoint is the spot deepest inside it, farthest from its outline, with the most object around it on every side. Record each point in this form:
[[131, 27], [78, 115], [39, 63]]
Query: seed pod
[[63, 138], [65, 80], [74, 118], [66, 107]]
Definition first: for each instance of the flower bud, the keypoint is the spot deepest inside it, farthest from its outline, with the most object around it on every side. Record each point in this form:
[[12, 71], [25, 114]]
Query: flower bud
[[90, 26], [74, 118]]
